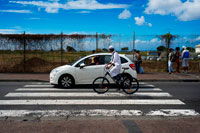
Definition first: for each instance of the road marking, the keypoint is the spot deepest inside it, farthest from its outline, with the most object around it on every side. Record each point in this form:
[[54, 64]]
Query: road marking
[[95, 112], [47, 83], [75, 113], [40, 83], [51, 86], [39, 86], [93, 94], [79, 90], [146, 85], [93, 102], [173, 112]]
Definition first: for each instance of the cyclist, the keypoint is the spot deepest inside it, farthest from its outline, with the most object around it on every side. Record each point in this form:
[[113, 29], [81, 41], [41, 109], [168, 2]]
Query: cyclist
[[115, 62]]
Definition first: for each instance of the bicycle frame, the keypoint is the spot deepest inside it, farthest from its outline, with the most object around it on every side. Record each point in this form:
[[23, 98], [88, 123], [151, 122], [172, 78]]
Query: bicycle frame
[[107, 73]]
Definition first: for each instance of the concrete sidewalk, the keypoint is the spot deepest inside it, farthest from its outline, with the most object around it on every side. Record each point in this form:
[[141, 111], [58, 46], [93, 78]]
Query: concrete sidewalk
[[31, 77]]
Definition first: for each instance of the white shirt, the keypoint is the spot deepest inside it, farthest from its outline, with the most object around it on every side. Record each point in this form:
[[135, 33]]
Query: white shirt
[[115, 59]]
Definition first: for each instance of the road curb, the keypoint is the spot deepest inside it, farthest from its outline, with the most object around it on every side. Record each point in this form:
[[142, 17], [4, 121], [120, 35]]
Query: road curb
[[140, 80], [174, 80], [21, 80]]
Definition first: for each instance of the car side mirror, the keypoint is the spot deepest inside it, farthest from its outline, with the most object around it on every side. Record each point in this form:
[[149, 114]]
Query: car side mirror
[[82, 65]]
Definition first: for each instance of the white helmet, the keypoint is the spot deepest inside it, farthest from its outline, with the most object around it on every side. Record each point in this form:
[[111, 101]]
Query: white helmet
[[111, 47]]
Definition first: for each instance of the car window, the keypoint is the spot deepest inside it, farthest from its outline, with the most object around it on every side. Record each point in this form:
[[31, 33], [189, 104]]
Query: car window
[[78, 65], [123, 60], [107, 59], [93, 60]]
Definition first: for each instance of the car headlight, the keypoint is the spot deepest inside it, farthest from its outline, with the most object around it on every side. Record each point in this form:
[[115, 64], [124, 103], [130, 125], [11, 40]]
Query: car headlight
[[55, 70]]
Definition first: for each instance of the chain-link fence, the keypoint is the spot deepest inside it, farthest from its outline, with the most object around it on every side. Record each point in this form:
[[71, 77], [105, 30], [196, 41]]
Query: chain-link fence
[[43, 52]]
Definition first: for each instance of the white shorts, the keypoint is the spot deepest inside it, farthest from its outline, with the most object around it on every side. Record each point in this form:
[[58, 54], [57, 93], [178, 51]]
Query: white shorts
[[185, 62]]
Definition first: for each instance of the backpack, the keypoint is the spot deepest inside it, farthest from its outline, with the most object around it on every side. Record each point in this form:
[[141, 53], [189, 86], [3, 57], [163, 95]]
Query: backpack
[[173, 57], [186, 54]]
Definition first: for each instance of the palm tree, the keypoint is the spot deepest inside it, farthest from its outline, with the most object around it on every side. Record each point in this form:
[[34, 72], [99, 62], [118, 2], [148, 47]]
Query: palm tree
[[167, 38]]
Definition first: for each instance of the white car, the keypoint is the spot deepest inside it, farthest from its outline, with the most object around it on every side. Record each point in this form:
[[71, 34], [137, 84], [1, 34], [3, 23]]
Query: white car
[[86, 69]]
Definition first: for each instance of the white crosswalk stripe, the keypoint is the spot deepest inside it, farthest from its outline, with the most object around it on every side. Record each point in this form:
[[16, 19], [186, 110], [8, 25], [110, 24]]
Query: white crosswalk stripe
[[68, 94], [79, 90], [92, 102], [97, 112], [44, 94]]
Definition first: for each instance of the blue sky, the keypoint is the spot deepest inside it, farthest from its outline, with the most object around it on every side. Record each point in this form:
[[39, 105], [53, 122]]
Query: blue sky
[[144, 17]]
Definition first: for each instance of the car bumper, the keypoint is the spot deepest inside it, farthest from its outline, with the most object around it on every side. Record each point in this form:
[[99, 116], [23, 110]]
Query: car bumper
[[52, 78]]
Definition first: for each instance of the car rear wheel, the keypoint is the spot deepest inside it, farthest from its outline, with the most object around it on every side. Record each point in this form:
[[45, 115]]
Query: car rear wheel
[[66, 81]]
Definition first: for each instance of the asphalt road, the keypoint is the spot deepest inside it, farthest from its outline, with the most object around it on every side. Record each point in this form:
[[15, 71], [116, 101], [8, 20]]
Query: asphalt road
[[188, 92], [152, 99], [156, 107]]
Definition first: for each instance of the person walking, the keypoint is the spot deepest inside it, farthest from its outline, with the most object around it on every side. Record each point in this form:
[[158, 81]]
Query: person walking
[[138, 61], [185, 57], [177, 56], [170, 58]]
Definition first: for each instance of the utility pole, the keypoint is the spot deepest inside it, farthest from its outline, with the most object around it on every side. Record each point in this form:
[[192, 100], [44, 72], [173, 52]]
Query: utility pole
[[61, 43], [96, 41], [24, 42]]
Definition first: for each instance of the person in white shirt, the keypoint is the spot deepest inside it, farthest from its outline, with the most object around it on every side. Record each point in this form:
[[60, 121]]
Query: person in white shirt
[[185, 56], [115, 62]]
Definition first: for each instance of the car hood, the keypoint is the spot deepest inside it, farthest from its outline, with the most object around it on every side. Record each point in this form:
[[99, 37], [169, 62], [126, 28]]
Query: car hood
[[62, 67]]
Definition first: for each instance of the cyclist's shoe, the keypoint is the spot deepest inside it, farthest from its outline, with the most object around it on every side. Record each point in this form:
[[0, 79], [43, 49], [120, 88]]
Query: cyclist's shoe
[[105, 88], [129, 90]]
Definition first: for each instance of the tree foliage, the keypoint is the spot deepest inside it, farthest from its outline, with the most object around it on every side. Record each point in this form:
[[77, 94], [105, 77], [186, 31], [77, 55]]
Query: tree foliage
[[161, 48], [167, 38]]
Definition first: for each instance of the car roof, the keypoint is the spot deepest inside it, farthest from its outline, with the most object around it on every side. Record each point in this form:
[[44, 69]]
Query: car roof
[[96, 54], [104, 54]]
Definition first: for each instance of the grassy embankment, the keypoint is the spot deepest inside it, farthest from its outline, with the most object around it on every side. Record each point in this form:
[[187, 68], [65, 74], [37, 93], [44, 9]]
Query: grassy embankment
[[40, 61]]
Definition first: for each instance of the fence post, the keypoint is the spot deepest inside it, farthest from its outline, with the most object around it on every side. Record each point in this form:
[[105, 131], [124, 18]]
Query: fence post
[[24, 43], [96, 41], [133, 45], [61, 43]]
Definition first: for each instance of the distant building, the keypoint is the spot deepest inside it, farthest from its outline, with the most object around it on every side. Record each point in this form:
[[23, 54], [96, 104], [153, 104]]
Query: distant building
[[197, 49]]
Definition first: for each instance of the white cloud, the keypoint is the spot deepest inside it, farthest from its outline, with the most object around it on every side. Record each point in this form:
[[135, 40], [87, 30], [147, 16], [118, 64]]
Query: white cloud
[[149, 24], [34, 18], [155, 40], [54, 6], [84, 12], [141, 21], [16, 11], [184, 11], [8, 31], [137, 41], [125, 14], [197, 39], [51, 10]]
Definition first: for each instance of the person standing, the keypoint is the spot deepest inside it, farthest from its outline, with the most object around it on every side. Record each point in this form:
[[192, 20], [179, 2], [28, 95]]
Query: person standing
[[185, 57], [138, 61], [170, 58], [177, 56]]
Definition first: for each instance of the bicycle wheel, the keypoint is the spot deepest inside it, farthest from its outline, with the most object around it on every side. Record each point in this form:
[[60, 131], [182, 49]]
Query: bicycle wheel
[[130, 86], [101, 85]]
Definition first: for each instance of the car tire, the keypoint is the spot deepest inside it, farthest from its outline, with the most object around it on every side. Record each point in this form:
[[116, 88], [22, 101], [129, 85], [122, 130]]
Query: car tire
[[66, 81]]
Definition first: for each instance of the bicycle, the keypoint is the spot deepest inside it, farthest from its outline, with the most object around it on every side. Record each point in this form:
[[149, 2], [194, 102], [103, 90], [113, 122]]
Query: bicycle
[[129, 84]]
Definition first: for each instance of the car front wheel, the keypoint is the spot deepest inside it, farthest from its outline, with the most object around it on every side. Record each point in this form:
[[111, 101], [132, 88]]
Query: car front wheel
[[66, 81]]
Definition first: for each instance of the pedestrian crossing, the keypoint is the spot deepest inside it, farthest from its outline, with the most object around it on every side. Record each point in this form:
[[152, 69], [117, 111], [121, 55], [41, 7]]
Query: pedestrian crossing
[[43, 99]]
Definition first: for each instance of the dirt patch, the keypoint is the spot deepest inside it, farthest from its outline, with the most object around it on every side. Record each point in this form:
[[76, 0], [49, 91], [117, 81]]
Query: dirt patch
[[160, 66], [34, 64]]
